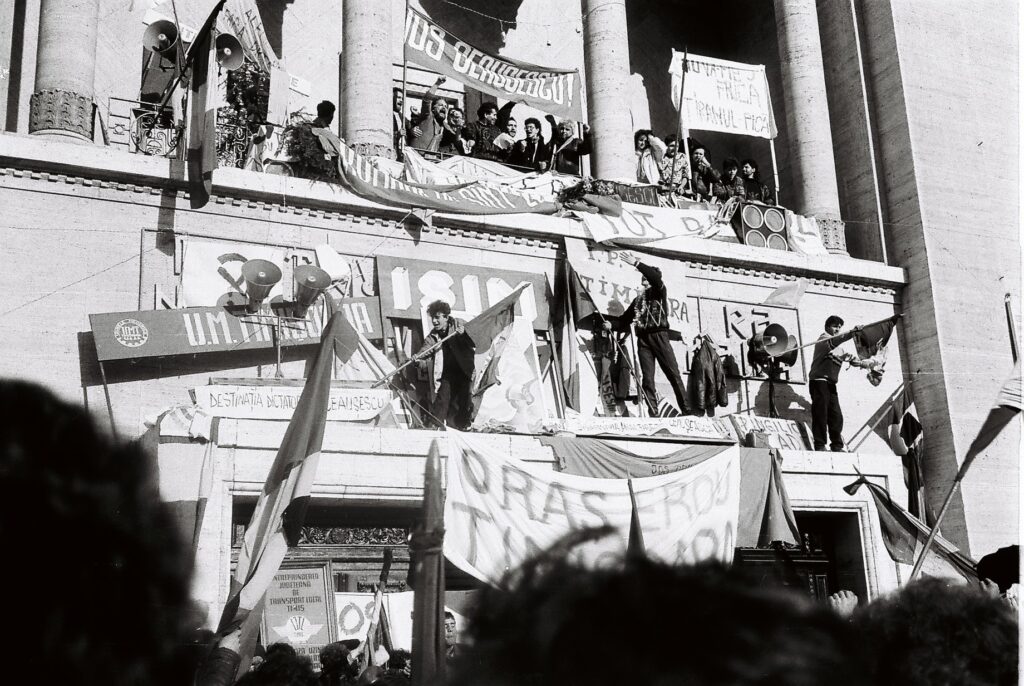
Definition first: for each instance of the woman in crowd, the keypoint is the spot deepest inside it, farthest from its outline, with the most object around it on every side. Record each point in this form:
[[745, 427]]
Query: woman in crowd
[[731, 184], [753, 187], [650, 150]]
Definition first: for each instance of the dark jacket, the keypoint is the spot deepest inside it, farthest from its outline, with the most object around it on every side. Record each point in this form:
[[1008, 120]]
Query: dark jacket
[[649, 310], [707, 379], [704, 179], [484, 135], [757, 191], [527, 153], [723, 190], [431, 130], [826, 364], [565, 159], [458, 351]]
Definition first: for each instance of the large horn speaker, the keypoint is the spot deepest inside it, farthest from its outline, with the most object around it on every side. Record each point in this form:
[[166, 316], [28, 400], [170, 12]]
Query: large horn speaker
[[229, 52], [260, 277], [310, 282], [161, 37]]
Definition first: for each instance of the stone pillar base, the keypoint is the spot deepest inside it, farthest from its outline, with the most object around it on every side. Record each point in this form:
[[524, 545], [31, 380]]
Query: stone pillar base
[[58, 112], [833, 235]]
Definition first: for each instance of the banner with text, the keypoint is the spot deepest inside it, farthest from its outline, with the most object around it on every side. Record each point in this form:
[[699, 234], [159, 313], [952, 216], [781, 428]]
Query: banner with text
[[730, 97], [640, 224], [499, 511], [278, 402], [556, 91], [369, 181], [703, 429]]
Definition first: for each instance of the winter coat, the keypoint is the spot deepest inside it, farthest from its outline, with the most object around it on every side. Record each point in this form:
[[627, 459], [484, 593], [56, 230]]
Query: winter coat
[[707, 379]]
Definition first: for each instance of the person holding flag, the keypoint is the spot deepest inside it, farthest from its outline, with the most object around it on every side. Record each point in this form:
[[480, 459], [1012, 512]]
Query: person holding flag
[[826, 363], [451, 385]]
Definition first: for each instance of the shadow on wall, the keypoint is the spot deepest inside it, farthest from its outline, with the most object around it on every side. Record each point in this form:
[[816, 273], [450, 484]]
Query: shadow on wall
[[482, 23]]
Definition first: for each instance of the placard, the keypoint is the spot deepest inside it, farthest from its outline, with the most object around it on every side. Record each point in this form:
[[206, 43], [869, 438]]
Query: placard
[[704, 429], [790, 435], [298, 609], [279, 402]]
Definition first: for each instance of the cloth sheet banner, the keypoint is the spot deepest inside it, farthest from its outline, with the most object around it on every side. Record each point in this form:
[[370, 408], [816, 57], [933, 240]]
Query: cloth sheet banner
[[781, 433], [556, 91], [641, 224], [279, 402], [399, 608], [708, 429], [730, 97], [367, 180], [500, 511], [765, 513]]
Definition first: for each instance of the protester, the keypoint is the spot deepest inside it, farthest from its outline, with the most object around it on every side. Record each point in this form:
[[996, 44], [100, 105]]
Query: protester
[[650, 151], [311, 147], [649, 313], [481, 134], [935, 632], [401, 126], [109, 568], [554, 622], [453, 649], [282, 667], [753, 188], [428, 126], [704, 175], [565, 149], [335, 666], [449, 386], [324, 114], [531, 152], [453, 142], [826, 363], [730, 185], [675, 172]]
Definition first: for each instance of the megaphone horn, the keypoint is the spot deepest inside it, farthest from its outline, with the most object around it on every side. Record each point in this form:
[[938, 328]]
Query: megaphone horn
[[161, 37], [229, 52], [310, 282], [260, 278], [776, 339]]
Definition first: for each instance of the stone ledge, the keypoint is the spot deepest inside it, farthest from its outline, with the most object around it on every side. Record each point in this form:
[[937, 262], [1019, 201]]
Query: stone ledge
[[47, 158]]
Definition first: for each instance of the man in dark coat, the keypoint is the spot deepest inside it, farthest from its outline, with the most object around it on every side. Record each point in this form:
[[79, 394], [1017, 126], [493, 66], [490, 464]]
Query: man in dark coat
[[827, 362], [451, 401], [649, 312], [532, 151]]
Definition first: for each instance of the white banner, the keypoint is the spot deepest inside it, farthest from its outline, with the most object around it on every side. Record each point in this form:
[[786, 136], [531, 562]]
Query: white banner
[[355, 612], [278, 402], [211, 272], [697, 428], [500, 511], [641, 224], [516, 402], [780, 433], [730, 97]]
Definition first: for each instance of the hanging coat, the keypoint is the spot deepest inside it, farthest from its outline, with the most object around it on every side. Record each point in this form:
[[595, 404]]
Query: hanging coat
[[707, 379]]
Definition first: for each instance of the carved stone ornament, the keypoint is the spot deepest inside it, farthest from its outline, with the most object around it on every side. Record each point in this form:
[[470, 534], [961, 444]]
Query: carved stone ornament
[[59, 110], [374, 150], [833, 235]]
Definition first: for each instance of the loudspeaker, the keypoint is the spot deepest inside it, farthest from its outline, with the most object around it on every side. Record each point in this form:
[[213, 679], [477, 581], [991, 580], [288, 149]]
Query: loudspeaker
[[161, 37], [761, 225], [774, 344], [775, 339], [260, 277], [310, 282], [229, 52]]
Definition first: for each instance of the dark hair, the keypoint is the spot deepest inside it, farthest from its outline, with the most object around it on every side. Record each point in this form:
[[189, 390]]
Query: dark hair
[[531, 120], [640, 134], [282, 667], [334, 659], [730, 163], [753, 163], [834, 320], [671, 138], [485, 108], [438, 307], [325, 109], [399, 659], [534, 628], [698, 146], [120, 551], [448, 615], [935, 631]]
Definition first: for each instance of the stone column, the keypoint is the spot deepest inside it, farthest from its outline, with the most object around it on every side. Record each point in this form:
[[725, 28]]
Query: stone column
[[62, 103], [366, 121], [606, 56], [815, 190]]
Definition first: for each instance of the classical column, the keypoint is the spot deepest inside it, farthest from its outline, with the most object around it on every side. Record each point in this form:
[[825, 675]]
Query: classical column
[[62, 103], [366, 121], [606, 55], [815, 190]]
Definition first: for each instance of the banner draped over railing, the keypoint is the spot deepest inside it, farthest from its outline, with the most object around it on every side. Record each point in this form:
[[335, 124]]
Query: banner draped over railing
[[730, 97], [556, 91]]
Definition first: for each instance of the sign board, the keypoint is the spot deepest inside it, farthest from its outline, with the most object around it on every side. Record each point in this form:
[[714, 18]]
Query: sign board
[[731, 324], [298, 609], [407, 286], [355, 613], [279, 402], [191, 330], [639, 194], [730, 97], [707, 429], [783, 433]]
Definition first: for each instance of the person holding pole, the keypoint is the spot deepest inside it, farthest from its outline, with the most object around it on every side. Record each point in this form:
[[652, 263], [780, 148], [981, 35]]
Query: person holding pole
[[826, 363], [451, 401], [649, 313]]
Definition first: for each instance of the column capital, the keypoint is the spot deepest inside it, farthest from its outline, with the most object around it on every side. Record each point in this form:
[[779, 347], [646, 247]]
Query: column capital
[[59, 112]]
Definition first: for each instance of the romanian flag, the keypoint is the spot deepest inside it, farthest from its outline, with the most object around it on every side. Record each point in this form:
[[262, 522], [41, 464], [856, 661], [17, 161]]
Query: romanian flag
[[490, 331], [1007, 406], [202, 124], [281, 508], [906, 437]]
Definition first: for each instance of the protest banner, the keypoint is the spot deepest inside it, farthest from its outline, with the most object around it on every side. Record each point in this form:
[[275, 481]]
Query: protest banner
[[640, 224], [703, 429], [499, 510], [556, 91], [279, 402], [782, 433], [730, 97], [355, 612], [297, 609]]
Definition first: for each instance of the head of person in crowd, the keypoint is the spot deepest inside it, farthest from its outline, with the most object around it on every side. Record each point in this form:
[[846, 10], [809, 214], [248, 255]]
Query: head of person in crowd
[[439, 312], [671, 145], [324, 113], [439, 108], [749, 169], [282, 668], [564, 131], [730, 168], [532, 128], [456, 118], [834, 324], [512, 127], [397, 100], [936, 631], [334, 663], [488, 113], [1001, 567], [639, 621], [451, 629], [699, 154], [259, 654], [114, 604], [640, 140]]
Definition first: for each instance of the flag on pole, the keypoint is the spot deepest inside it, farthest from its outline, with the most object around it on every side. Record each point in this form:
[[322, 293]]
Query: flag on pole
[[490, 331], [202, 126], [788, 294], [870, 342], [635, 545], [906, 437], [1007, 406], [904, 536], [569, 346], [281, 508]]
